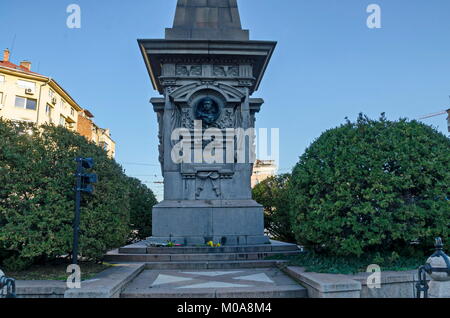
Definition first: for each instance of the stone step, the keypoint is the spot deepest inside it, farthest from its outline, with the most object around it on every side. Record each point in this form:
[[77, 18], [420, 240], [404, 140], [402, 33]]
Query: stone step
[[215, 265], [247, 293], [142, 248], [116, 256]]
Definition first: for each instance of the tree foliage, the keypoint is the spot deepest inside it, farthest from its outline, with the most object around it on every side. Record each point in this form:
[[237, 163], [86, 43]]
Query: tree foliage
[[372, 185], [272, 193], [37, 196], [142, 201]]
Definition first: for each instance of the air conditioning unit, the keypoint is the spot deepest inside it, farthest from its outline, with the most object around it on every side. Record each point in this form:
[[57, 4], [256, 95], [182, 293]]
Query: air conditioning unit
[[29, 91], [54, 100]]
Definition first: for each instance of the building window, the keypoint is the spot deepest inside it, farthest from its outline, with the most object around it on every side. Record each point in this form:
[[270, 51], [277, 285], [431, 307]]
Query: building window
[[1, 98], [26, 84], [51, 93], [104, 145], [62, 121], [48, 111], [2, 79], [72, 112], [26, 103]]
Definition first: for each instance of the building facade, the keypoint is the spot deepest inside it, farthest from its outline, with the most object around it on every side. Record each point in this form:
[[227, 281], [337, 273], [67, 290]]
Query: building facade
[[262, 170], [102, 137], [26, 96]]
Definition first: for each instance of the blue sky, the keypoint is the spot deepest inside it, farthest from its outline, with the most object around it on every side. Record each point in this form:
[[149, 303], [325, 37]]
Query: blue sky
[[328, 64]]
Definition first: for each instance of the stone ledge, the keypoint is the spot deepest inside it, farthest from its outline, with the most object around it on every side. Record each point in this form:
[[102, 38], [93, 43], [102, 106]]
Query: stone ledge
[[393, 284], [107, 284], [40, 288], [388, 277], [325, 285]]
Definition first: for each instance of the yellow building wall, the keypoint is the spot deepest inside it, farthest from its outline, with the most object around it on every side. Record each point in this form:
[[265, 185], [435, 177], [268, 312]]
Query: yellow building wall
[[103, 138], [64, 111], [41, 87]]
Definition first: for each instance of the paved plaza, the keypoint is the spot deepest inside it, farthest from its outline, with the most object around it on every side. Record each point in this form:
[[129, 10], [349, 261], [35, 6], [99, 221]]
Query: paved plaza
[[264, 282]]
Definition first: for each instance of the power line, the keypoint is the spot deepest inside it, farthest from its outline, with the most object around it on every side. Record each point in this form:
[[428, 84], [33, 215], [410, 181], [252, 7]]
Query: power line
[[434, 115], [145, 175], [140, 164]]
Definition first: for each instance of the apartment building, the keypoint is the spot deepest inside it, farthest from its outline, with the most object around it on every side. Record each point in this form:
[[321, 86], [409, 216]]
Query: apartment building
[[27, 96], [102, 137], [262, 170]]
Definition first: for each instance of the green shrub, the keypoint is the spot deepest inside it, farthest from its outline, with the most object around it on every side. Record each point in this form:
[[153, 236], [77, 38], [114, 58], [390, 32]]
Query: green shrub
[[331, 264], [372, 186], [272, 193], [37, 196], [142, 201]]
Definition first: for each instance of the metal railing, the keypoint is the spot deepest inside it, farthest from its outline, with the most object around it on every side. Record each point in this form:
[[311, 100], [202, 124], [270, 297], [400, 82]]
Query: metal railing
[[7, 287], [422, 286]]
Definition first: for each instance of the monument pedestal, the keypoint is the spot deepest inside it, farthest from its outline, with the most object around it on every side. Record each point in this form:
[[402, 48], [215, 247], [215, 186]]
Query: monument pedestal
[[206, 71], [228, 222]]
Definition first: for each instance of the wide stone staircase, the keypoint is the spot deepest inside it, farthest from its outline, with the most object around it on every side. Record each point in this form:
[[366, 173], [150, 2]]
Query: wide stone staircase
[[207, 272], [143, 253]]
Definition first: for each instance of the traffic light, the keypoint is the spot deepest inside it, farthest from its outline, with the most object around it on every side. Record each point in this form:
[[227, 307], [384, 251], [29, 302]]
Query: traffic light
[[84, 184], [87, 163], [86, 179]]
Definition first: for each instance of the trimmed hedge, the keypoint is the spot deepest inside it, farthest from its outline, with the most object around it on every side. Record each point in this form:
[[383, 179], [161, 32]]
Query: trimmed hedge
[[37, 196], [273, 194], [372, 186]]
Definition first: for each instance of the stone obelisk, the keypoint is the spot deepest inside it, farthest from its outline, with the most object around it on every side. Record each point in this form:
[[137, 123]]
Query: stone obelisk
[[206, 70]]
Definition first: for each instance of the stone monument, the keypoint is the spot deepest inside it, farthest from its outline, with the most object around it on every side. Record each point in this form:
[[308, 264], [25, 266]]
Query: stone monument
[[206, 70]]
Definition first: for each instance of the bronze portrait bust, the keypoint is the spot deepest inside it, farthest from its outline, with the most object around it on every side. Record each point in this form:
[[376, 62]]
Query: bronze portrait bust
[[207, 110]]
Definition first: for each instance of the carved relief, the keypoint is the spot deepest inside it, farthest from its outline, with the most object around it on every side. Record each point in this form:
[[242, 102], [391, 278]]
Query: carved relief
[[245, 83], [226, 70], [188, 70], [209, 82], [160, 138], [169, 84], [203, 177], [175, 121], [186, 118], [227, 120]]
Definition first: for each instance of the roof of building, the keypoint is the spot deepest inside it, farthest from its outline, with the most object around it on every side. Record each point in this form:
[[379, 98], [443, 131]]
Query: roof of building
[[9, 66], [207, 20], [88, 113], [16, 67]]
